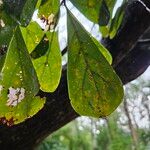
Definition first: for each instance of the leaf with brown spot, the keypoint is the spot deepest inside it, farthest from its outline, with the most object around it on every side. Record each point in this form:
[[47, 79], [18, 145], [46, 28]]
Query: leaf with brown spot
[[94, 87]]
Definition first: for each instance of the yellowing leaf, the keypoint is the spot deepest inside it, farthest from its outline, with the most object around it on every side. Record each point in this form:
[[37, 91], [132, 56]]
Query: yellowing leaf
[[48, 67], [18, 83], [94, 88], [32, 35], [48, 7]]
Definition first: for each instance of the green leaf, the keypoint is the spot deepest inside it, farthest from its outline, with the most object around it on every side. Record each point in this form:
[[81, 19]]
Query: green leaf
[[18, 83], [90, 8], [32, 35], [110, 4], [104, 14], [94, 88], [21, 10], [5, 36], [96, 10], [48, 67], [116, 21], [103, 50], [104, 31], [48, 7], [41, 48], [27, 12], [14, 8], [6, 29]]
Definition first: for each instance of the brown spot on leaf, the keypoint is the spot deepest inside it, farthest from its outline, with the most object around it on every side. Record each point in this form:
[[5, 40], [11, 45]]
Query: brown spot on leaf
[[9, 122]]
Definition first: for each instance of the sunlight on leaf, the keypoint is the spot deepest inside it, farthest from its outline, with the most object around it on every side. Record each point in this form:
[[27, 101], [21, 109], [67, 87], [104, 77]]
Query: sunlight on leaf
[[116, 21], [90, 8], [32, 35], [48, 7], [103, 50], [48, 67], [19, 84]]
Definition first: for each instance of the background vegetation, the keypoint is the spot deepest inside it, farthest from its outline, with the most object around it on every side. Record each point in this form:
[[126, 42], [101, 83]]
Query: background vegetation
[[127, 128]]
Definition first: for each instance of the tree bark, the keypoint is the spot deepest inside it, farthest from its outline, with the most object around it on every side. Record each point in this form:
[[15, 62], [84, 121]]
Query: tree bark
[[130, 60], [131, 127], [130, 57]]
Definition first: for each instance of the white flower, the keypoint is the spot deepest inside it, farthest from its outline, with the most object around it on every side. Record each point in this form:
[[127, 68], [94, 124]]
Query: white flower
[[15, 96]]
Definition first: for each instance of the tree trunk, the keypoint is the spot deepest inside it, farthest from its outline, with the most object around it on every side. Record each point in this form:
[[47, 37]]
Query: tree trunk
[[131, 127]]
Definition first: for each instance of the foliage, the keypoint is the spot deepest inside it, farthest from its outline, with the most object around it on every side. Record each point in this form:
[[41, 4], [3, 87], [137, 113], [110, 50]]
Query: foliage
[[71, 137], [94, 87], [112, 133], [89, 72]]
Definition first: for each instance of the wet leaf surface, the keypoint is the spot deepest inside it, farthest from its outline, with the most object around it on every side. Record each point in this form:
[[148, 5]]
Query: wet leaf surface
[[94, 88], [48, 67], [32, 35], [18, 83]]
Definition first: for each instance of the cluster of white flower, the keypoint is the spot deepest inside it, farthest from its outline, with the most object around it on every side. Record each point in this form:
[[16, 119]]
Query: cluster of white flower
[[50, 23], [15, 96]]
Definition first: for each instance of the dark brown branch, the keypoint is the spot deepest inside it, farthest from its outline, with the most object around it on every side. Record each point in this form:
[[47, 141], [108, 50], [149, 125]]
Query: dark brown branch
[[135, 63], [136, 21]]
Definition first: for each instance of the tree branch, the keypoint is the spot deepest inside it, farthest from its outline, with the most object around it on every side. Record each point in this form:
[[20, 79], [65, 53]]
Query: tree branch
[[130, 57], [136, 21]]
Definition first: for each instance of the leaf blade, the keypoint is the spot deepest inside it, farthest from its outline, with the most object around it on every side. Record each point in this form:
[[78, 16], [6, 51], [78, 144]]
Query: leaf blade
[[32, 35], [48, 67], [19, 83], [91, 80], [48, 7]]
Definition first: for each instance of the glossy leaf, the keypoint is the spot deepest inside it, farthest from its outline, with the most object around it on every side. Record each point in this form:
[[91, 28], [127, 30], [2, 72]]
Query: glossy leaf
[[116, 21], [41, 48], [32, 35], [94, 88], [110, 4], [48, 7], [48, 67], [90, 8], [104, 31], [98, 11], [18, 83], [103, 50]]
